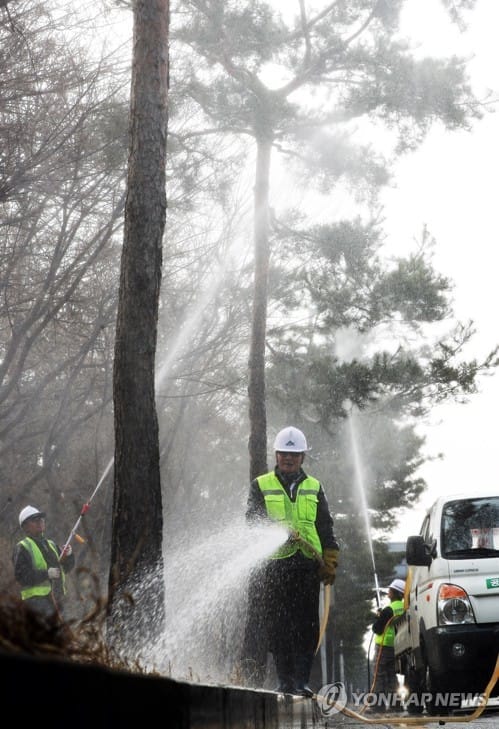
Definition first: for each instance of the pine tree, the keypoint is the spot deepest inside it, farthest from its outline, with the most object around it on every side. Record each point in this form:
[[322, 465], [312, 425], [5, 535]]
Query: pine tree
[[293, 82]]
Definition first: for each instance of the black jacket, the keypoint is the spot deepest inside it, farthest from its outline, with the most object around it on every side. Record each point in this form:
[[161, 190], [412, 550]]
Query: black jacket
[[26, 574], [382, 619]]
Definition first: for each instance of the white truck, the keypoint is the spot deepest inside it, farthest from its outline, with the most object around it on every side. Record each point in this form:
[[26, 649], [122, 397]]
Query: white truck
[[447, 640]]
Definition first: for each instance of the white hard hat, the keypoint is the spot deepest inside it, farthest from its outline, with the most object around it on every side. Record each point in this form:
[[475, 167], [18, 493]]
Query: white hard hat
[[28, 512], [290, 440], [398, 585]]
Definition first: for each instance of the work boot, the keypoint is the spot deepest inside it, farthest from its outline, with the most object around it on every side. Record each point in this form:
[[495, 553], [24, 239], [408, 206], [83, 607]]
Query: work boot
[[304, 690], [303, 666]]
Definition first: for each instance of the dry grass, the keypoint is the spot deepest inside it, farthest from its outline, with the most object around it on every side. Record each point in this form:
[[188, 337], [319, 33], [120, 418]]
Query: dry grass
[[23, 631]]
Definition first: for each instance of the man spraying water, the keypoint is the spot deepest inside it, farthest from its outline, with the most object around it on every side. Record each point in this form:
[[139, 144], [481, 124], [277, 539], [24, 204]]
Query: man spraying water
[[39, 566], [283, 610]]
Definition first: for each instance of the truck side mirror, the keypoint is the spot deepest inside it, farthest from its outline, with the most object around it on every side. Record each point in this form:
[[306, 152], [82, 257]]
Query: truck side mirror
[[417, 552]]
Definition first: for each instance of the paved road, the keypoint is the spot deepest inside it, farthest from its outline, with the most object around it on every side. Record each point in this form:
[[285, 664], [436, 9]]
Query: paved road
[[307, 714], [487, 721]]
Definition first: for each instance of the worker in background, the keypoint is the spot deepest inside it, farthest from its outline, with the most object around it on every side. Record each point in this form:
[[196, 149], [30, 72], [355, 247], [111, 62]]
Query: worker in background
[[38, 568], [385, 683], [283, 609]]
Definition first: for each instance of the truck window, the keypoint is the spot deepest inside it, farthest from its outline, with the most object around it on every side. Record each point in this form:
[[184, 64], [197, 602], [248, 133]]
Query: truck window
[[470, 527]]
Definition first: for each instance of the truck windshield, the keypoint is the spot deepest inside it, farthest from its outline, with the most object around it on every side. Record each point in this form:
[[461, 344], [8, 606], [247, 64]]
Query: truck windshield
[[470, 528]]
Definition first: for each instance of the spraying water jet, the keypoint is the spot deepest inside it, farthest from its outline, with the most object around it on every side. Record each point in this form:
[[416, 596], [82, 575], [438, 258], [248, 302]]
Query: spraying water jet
[[348, 407], [190, 325]]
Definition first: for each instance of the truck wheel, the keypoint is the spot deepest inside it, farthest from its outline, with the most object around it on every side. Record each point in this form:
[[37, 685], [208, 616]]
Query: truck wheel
[[433, 687], [414, 704]]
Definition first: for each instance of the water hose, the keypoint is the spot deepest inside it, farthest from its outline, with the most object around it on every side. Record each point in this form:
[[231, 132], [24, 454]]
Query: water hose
[[415, 721], [295, 537], [378, 659], [325, 616]]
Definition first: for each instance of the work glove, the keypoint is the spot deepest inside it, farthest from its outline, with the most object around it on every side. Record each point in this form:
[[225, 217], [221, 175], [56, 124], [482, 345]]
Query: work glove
[[327, 571], [54, 573], [67, 551]]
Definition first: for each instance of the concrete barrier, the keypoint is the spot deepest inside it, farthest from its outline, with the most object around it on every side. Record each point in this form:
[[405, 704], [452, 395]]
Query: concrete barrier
[[85, 696]]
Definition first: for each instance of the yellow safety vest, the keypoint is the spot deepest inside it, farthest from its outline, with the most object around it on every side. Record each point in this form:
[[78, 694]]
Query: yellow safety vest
[[298, 515], [387, 637], [39, 563]]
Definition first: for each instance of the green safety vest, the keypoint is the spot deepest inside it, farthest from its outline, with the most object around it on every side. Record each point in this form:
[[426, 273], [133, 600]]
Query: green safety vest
[[39, 563], [298, 515], [387, 637]]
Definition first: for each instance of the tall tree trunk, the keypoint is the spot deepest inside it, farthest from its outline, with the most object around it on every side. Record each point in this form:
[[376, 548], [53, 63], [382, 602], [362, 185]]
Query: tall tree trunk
[[137, 524], [256, 382]]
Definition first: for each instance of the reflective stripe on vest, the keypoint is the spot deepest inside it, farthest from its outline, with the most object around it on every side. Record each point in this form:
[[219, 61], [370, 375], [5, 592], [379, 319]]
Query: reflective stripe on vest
[[298, 515], [39, 563], [387, 637]]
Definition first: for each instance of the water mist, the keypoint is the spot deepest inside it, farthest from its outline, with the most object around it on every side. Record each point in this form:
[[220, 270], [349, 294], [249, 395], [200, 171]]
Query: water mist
[[205, 579], [361, 489], [206, 583]]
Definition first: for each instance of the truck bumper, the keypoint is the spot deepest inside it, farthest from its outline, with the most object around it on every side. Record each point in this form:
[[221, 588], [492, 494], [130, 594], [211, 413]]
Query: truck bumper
[[468, 652]]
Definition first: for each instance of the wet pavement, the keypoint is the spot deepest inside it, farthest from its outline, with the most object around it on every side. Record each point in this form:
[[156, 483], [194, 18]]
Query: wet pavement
[[303, 713]]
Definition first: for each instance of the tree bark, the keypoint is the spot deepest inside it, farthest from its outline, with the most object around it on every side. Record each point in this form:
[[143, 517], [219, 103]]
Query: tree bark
[[256, 380], [137, 524]]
